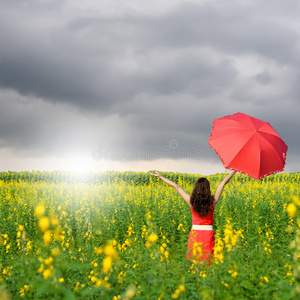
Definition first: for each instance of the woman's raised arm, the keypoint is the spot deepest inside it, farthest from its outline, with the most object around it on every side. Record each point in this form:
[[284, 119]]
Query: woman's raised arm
[[178, 188], [220, 188]]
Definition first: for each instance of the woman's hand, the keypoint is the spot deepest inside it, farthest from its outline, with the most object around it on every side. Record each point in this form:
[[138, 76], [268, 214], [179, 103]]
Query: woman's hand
[[156, 174]]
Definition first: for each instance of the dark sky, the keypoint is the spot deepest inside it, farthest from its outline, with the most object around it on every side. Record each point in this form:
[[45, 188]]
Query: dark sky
[[136, 85]]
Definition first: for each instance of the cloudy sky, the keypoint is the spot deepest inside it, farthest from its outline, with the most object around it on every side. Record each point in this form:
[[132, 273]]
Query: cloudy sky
[[135, 85]]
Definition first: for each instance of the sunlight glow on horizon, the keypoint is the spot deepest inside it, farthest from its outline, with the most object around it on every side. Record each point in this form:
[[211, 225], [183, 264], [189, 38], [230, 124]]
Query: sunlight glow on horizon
[[82, 164]]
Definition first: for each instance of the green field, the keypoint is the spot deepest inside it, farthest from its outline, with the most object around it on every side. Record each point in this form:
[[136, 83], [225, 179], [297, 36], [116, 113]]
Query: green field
[[119, 235]]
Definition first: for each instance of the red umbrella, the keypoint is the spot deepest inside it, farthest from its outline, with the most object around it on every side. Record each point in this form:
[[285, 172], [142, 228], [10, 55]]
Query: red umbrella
[[248, 145]]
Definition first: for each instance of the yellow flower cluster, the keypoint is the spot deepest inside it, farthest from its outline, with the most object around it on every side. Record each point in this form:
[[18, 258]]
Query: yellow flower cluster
[[123, 247], [23, 290], [21, 236], [289, 273], [180, 226], [178, 291], [225, 283], [152, 238], [44, 223], [219, 251], [78, 218], [76, 286], [6, 271], [293, 212], [231, 236], [267, 248], [292, 207], [144, 233], [107, 263], [164, 253], [264, 279], [197, 249], [4, 238], [46, 267], [110, 255], [229, 241], [100, 282], [234, 274]]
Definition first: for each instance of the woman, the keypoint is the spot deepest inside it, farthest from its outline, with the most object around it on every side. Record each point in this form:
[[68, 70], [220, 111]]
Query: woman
[[202, 203]]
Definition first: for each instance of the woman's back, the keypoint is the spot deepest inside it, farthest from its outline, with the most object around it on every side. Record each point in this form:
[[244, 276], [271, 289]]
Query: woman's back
[[207, 220]]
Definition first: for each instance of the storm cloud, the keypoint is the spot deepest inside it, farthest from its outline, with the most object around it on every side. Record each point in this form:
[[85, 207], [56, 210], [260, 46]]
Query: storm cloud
[[144, 81]]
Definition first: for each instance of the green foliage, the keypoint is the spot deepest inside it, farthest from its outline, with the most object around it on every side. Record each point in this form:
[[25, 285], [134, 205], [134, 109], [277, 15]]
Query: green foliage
[[124, 209], [137, 178]]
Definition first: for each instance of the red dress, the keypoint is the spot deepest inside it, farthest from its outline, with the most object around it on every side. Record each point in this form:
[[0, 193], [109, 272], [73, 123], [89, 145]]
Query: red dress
[[201, 242]]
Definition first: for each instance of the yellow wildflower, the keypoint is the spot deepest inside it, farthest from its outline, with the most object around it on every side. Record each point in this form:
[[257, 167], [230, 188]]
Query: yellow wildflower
[[41, 268], [106, 264], [44, 223], [76, 286], [48, 261], [296, 200], [47, 237], [26, 288], [152, 237], [39, 210], [109, 250], [291, 210], [98, 283], [47, 273], [181, 288], [98, 251]]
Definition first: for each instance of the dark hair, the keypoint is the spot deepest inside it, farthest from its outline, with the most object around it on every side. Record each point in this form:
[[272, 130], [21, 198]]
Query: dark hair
[[201, 198]]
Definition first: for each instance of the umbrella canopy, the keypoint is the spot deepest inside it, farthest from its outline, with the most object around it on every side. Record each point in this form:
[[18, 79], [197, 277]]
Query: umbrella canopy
[[248, 145]]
